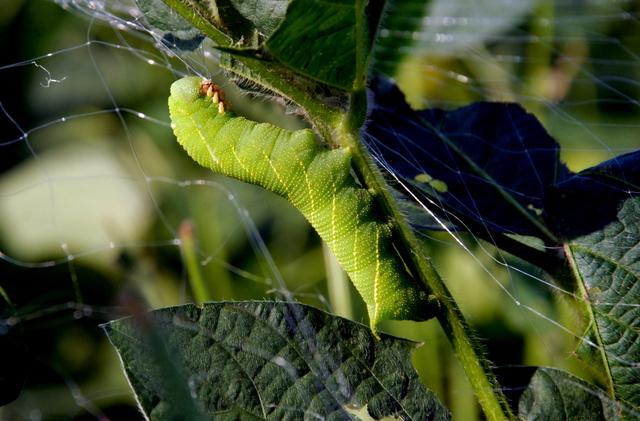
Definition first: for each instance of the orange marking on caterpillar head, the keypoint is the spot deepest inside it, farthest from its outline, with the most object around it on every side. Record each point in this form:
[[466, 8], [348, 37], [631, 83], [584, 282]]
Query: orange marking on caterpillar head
[[213, 91]]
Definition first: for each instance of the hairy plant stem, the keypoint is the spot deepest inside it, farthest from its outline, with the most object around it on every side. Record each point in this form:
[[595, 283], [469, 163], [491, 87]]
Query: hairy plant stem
[[346, 132]]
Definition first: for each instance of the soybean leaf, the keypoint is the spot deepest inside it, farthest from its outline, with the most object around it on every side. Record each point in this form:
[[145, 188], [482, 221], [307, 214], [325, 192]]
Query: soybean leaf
[[268, 360], [327, 41], [490, 163], [556, 395], [493, 164], [587, 201], [607, 262]]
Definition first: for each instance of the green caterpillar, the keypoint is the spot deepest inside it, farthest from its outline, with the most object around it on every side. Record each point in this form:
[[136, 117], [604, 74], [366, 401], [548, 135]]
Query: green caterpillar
[[317, 181]]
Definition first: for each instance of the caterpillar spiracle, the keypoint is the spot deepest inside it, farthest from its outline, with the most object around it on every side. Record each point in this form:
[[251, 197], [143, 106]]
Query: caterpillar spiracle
[[315, 180]]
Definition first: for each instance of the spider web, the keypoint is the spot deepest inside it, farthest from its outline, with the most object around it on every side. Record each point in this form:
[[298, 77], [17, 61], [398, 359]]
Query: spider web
[[96, 197]]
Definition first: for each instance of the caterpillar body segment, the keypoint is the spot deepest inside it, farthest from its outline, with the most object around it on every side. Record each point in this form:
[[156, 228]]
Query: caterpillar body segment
[[315, 180]]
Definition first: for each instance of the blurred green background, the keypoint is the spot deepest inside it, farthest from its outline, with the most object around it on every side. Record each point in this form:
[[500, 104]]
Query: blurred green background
[[96, 199]]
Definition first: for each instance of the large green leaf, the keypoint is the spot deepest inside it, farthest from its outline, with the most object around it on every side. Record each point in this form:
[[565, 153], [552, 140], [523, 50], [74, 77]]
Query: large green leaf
[[555, 395], [325, 40], [608, 264], [268, 360]]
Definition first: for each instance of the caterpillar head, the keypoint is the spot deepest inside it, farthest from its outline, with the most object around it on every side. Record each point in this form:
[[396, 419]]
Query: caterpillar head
[[213, 91]]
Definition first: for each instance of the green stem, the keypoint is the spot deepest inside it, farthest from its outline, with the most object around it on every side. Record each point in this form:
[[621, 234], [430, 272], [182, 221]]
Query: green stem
[[198, 286], [492, 401], [273, 77], [337, 285]]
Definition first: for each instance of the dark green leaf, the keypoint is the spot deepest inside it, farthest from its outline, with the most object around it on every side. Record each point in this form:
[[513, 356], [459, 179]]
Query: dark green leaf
[[587, 201], [556, 395], [327, 41], [494, 166], [269, 360], [608, 263], [487, 163]]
